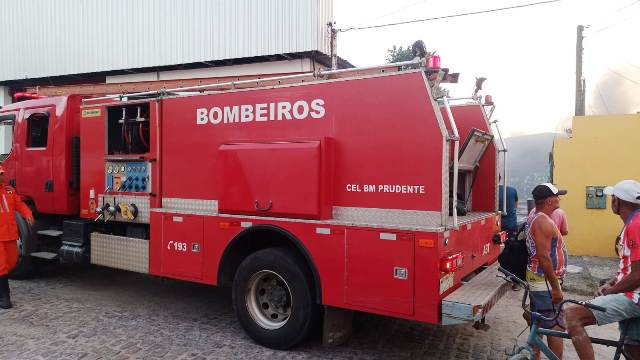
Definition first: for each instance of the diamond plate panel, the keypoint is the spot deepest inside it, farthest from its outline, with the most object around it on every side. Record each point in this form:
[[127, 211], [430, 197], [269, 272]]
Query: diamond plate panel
[[469, 218], [387, 217], [120, 252], [194, 205], [142, 202]]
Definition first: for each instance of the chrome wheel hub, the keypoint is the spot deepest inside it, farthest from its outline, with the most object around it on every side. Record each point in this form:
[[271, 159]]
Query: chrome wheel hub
[[268, 299]]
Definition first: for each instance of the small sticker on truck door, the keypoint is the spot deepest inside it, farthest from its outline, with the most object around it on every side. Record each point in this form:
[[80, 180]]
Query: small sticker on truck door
[[446, 283], [91, 113]]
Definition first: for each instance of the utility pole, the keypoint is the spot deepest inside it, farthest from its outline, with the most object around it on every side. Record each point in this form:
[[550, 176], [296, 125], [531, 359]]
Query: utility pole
[[580, 82], [334, 45]]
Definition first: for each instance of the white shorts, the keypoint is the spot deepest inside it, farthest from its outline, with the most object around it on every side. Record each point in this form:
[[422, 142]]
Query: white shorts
[[620, 309]]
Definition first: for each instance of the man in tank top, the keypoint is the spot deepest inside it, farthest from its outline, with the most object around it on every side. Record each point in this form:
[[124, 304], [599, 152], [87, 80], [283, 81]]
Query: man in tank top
[[547, 260]]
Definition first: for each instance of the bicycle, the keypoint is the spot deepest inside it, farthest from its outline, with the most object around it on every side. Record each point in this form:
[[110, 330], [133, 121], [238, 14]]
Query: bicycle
[[526, 352]]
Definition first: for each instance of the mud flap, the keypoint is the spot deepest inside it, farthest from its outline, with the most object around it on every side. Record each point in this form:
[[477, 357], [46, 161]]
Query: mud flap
[[337, 326]]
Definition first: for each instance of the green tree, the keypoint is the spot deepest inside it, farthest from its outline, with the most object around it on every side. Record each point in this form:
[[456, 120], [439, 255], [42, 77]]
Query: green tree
[[398, 54]]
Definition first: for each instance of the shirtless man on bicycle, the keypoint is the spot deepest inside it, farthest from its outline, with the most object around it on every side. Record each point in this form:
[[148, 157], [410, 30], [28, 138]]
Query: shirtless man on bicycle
[[620, 295]]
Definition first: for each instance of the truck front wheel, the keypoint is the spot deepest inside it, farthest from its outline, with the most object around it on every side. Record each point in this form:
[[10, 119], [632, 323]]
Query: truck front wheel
[[26, 245], [273, 298]]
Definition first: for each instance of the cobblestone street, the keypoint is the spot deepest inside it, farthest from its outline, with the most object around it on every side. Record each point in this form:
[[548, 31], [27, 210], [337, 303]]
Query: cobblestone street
[[99, 313]]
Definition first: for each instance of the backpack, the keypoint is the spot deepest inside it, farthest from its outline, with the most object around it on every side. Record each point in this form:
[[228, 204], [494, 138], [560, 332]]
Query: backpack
[[514, 256]]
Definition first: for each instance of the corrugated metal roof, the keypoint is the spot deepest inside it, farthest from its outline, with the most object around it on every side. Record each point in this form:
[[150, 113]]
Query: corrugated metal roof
[[41, 38]]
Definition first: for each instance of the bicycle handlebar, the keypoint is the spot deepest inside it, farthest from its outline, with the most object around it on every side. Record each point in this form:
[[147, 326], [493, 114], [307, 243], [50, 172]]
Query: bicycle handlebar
[[512, 278], [591, 306]]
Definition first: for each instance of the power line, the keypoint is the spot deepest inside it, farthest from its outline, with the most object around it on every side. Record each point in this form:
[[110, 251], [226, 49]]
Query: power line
[[602, 99], [626, 6], [623, 76], [395, 12], [618, 55], [449, 16], [612, 25], [622, 8], [631, 64]]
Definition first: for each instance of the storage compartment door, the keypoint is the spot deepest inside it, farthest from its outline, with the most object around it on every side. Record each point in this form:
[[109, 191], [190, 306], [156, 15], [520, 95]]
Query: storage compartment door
[[182, 246], [379, 270], [271, 179]]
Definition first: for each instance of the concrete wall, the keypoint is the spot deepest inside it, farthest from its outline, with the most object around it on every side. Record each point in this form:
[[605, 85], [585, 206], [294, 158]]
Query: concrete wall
[[4, 95], [602, 151]]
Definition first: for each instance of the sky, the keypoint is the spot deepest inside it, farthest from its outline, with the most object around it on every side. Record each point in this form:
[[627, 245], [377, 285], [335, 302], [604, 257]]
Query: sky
[[528, 55]]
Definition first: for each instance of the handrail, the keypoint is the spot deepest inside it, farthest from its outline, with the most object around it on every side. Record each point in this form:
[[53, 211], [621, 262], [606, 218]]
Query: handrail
[[473, 98], [316, 74], [456, 144], [504, 167]]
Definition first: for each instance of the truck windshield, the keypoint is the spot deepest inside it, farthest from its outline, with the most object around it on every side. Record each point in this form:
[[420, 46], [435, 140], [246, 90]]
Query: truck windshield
[[6, 138]]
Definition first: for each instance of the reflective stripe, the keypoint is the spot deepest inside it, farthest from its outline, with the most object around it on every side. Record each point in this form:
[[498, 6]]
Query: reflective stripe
[[4, 199]]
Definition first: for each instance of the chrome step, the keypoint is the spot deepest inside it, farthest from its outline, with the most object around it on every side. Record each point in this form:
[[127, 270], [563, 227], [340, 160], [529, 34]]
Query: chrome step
[[45, 255], [54, 233], [472, 301]]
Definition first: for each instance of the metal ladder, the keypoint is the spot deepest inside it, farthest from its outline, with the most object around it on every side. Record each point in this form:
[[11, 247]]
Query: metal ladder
[[502, 149], [455, 138], [189, 90]]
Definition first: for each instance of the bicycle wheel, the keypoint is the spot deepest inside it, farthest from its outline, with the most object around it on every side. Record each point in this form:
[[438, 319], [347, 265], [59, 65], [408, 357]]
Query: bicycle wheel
[[524, 355]]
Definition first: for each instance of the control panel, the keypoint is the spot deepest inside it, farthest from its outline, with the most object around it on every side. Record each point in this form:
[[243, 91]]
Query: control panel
[[128, 176], [596, 198]]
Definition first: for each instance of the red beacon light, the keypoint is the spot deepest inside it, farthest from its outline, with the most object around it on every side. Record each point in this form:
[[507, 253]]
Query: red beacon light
[[488, 100], [434, 61], [21, 96]]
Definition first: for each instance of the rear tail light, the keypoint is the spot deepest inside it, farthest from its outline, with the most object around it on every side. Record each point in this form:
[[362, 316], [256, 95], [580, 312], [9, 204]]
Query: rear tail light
[[451, 263], [500, 237]]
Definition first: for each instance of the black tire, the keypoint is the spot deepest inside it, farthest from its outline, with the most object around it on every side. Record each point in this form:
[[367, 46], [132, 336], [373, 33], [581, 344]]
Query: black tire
[[260, 306], [26, 245], [522, 356]]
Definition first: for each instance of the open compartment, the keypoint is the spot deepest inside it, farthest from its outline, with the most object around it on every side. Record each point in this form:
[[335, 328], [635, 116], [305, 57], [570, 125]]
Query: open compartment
[[473, 148], [128, 129]]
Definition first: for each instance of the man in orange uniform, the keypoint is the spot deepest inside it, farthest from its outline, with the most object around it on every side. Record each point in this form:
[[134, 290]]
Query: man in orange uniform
[[10, 202]]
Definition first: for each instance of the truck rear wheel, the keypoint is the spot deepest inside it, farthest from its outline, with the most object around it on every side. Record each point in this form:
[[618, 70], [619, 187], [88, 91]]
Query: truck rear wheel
[[26, 245], [273, 298]]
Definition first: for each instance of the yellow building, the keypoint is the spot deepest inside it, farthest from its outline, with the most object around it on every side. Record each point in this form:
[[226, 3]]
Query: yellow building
[[601, 151]]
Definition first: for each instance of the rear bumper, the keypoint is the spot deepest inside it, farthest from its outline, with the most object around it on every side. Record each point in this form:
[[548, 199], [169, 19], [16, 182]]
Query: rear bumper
[[473, 300]]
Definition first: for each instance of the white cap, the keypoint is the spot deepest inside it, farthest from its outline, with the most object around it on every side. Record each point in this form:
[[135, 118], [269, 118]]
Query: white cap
[[627, 190]]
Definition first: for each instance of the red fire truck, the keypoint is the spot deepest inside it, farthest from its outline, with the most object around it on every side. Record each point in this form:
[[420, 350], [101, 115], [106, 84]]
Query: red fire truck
[[312, 195]]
